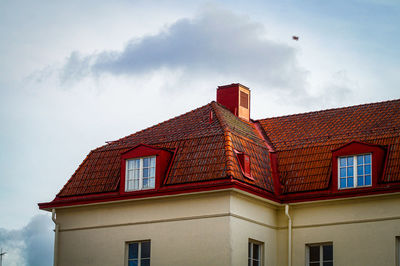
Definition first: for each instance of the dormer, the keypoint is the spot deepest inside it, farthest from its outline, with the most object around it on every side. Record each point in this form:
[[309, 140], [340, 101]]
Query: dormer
[[236, 98], [143, 168], [357, 165]]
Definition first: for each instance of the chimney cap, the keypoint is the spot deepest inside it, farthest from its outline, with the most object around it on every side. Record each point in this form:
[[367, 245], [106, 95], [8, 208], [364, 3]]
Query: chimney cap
[[232, 85]]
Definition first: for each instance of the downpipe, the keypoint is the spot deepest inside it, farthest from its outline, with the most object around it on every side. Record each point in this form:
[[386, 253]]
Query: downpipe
[[56, 230], [289, 235]]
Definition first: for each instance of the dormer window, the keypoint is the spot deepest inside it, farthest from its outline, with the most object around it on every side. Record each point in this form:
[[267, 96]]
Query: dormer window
[[143, 169], [244, 163], [357, 165], [355, 171], [140, 173]]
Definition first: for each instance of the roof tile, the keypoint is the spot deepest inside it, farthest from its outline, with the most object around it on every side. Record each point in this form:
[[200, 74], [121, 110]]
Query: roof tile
[[304, 142]]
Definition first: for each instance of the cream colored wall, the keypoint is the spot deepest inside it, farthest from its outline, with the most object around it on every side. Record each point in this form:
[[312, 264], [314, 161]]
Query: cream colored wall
[[190, 230], [362, 231], [252, 219], [214, 229]]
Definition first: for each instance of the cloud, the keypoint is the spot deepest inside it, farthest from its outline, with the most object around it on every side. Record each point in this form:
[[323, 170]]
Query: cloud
[[215, 42], [32, 245]]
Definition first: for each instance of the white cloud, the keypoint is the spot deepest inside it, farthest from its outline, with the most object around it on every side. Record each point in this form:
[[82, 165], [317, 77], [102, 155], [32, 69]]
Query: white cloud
[[216, 42], [31, 245]]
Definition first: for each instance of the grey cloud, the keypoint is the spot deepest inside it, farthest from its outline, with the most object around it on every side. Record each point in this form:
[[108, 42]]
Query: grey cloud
[[215, 42], [32, 245]]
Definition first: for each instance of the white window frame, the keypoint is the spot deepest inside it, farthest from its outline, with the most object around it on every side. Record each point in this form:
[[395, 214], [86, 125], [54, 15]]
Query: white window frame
[[127, 189], [260, 251], [355, 173], [321, 256], [139, 251]]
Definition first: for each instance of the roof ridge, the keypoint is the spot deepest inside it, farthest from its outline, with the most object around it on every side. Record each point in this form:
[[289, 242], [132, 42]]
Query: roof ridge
[[221, 121], [260, 130], [227, 139], [240, 119], [224, 124], [330, 109]]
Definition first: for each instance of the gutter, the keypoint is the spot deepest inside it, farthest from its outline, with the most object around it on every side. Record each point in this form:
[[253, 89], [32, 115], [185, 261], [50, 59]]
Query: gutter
[[289, 235], [56, 230]]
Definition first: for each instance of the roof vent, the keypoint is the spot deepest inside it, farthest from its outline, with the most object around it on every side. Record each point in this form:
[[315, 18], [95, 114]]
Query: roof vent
[[244, 162], [236, 98]]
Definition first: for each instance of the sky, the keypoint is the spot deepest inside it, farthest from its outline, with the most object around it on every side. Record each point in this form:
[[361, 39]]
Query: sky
[[75, 74]]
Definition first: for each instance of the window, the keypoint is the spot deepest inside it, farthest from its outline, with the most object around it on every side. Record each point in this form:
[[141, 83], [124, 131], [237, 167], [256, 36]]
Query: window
[[244, 161], [354, 171], [139, 253], [255, 253], [140, 173], [320, 255]]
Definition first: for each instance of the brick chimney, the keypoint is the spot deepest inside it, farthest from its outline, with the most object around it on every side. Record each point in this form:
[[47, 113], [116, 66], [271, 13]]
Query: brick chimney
[[236, 98]]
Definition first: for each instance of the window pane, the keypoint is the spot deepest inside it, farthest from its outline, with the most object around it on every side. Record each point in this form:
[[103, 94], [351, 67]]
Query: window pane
[[360, 181], [249, 252], [153, 161], [349, 171], [130, 174], [314, 264], [249, 263], [145, 182], [145, 250], [328, 263], [350, 161], [133, 263], [130, 164], [342, 161], [368, 169], [367, 180], [145, 172], [327, 252], [367, 159], [136, 163], [342, 182], [152, 182], [135, 184], [152, 172], [342, 172], [146, 162], [136, 173], [256, 263], [256, 251], [314, 253], [360, 170], [145, 262], [360, 159], [350, 182], [133, 251]]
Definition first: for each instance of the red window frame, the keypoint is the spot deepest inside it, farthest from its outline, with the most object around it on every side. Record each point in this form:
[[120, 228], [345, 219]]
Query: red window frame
[[163, 158], [245, 164], [356, 148]]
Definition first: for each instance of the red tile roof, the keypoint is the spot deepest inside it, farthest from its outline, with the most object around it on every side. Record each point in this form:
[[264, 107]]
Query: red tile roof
[[304, 142], [203, 152], [205, 142]]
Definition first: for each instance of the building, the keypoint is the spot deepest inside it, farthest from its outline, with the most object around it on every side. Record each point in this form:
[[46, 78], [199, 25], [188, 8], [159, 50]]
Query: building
[[214, 187]]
